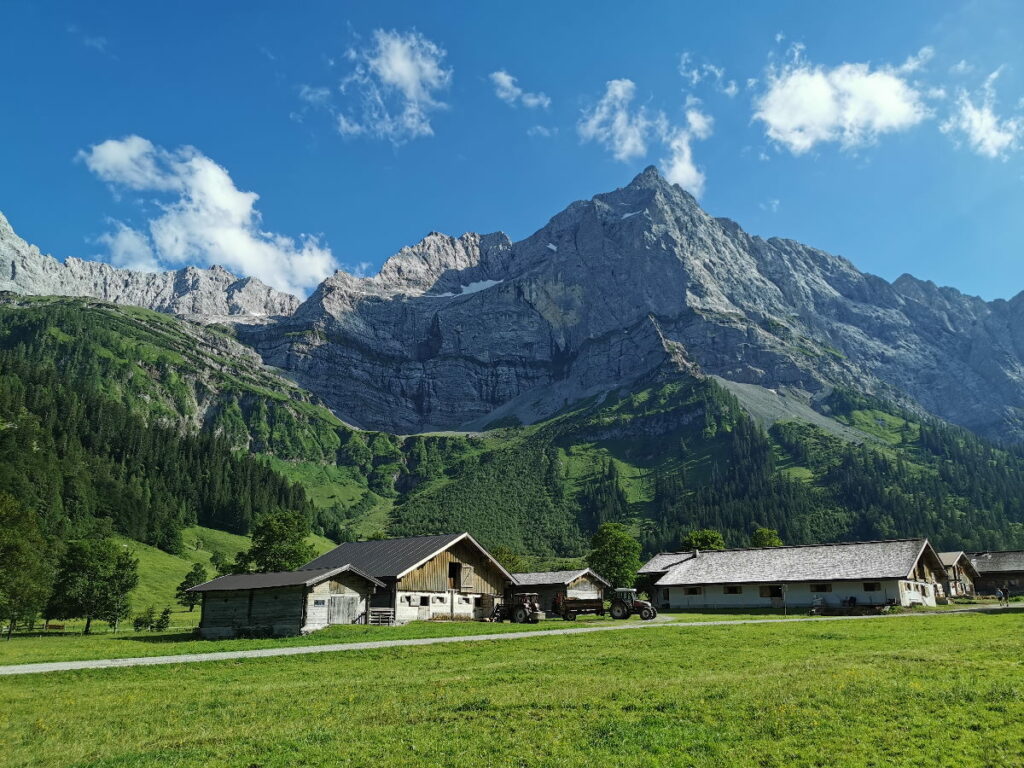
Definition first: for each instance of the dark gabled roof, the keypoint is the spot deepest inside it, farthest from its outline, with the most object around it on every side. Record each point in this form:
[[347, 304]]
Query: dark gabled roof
[[823, 562], [663, 562], [998, 562], [546, 578], [393, 558], [308, 578]]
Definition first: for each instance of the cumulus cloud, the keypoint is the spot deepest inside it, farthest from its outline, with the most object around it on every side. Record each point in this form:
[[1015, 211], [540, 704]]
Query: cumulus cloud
[[626, 132], [393, 87], [505, 88], [851, 104], [986, 132], [679, 166], [612, 123], [203, 219], [129, 248]]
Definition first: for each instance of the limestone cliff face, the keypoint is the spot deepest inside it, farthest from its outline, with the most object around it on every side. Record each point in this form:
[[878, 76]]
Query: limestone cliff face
[[204, 293], [633, 284]]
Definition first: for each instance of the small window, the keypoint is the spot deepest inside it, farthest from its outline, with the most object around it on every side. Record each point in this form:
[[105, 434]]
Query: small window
[[821, 587], [319, 603], [424, 600], [732, 590], [872, 586], [771, 590], [688, 591]]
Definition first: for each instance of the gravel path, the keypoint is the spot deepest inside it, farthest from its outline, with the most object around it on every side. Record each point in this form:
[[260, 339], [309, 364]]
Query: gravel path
[[186, 658]]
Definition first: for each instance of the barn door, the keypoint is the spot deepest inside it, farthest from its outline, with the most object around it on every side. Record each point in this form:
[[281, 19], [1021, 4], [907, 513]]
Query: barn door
[[343, 609]]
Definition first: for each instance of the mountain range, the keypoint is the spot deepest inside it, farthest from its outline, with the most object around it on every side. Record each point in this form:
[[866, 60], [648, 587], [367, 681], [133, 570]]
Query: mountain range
[[627, 288], [634, 360]]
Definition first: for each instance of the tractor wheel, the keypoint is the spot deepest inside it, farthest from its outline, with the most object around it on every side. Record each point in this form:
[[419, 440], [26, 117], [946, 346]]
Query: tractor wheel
[[647, 613], [520, 615], [619, 611], [570, 616]]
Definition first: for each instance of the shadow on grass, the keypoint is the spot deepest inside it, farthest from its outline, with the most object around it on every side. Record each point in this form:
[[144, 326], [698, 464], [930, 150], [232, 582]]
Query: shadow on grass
[[176, 637]]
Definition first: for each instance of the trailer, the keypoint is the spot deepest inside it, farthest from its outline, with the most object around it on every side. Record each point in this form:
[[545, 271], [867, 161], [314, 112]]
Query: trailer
[[568, 608]]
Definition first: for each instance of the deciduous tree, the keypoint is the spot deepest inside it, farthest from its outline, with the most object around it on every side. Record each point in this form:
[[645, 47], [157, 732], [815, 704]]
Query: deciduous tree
[[25, 573], [615, 554]]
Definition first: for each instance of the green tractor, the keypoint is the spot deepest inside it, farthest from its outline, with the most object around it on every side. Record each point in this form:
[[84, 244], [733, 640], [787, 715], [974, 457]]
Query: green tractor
[[625, 604]]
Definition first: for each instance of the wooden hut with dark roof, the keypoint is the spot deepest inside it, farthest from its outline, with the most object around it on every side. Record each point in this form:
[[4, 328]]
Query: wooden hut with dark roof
[[284, 602], [998, 570]]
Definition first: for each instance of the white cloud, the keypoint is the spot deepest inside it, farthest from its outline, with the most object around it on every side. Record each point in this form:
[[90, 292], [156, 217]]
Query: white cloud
[[96, 42], [918, 60], [542, 130], [695, 74], [394, 86], [611, 123], [129, 248], [850, 104], [626, 132], [679, 166], [986, 133], [771, 205], [505, 88], [314, 95], [962, 67], [205, 219]]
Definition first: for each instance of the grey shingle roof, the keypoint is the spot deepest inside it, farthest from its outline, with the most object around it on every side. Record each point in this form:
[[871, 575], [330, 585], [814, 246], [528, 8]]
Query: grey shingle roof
[[824, 562], [543, 578], [392, 558], [662, 562], [950, 558], [307, 578], [998, 562]]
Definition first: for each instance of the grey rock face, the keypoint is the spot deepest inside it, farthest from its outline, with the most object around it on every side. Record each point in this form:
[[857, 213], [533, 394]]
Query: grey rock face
[[204, 293], [630, 285]]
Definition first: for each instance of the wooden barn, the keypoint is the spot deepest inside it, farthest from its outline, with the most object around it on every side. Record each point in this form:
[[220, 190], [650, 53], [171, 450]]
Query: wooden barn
[[583, 584], [998, 570], [425, 577], [960, 574], [900, 572], [284, 603]]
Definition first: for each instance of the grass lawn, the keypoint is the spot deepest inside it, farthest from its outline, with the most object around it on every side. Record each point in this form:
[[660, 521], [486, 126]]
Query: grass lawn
[[942, 691], [27, 648]]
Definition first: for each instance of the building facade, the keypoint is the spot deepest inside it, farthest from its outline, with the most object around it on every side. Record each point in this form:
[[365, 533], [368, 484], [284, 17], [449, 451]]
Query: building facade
[[284, 603], [903, 572], [960, 574], [998, 570], [426, 577], [549, 585]]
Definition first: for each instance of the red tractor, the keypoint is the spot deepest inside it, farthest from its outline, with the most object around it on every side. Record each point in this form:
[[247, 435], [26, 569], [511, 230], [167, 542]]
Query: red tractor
[[625, 604]]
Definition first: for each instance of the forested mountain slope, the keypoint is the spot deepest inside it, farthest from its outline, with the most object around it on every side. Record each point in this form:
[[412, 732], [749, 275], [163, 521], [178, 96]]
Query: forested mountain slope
[[155, 424]]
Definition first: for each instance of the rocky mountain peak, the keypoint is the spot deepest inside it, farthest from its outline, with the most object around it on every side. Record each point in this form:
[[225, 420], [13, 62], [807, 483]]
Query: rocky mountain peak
[[204, 293]]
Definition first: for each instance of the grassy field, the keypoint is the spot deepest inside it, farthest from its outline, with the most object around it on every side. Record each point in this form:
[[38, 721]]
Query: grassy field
[[943, 691], [28, 648]]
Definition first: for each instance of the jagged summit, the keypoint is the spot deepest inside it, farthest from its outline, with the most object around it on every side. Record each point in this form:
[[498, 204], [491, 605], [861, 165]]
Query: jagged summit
[[632, 285], [206, 293], [636, 283]]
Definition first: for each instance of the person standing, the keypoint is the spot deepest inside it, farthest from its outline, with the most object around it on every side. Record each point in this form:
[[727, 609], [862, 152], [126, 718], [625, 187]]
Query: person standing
[[999, 596], [1006, 595]]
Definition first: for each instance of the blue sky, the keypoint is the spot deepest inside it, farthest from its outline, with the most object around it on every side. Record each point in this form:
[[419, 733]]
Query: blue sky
[[892, 134]]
